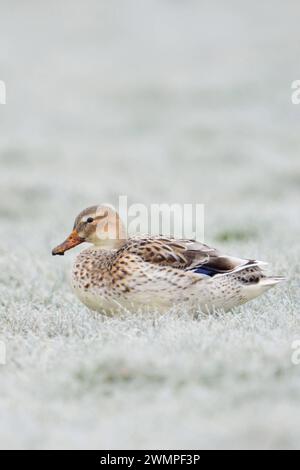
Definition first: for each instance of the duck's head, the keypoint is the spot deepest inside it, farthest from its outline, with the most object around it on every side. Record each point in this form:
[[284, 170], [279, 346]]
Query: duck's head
[[99, 225]]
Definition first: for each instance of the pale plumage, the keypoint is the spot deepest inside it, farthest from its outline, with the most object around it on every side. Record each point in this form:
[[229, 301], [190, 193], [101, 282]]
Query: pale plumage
[[156, 271]]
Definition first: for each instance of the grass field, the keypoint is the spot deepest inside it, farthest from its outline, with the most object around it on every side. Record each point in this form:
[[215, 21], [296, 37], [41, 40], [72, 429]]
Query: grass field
[[164, 102]]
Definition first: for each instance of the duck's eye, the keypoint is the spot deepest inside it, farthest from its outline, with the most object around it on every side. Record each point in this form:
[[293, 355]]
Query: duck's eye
[[89, 220]]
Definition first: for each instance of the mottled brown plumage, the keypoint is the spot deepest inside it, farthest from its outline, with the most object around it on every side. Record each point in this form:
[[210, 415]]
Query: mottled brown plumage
[[146, 271]]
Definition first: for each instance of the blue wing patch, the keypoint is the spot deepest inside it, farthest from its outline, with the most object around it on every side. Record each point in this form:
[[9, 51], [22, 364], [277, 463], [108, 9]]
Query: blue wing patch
[[205, 270]]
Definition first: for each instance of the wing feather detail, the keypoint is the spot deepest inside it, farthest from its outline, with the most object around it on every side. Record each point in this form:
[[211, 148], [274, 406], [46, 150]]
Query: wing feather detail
[[186, 255]]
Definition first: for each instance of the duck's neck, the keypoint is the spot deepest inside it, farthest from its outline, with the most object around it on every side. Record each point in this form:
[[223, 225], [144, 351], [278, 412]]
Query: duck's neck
[[110, 244], [112, 234]]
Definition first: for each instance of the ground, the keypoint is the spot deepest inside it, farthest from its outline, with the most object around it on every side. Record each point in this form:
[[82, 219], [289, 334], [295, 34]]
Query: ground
[[163, 102]]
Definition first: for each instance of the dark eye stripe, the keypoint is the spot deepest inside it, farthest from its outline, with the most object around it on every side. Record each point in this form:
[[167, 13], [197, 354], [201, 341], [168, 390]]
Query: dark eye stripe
[[90, 220]]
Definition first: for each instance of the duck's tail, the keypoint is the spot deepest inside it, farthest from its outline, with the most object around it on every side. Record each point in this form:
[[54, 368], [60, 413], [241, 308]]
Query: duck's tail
[[271, 281], [254, 286]]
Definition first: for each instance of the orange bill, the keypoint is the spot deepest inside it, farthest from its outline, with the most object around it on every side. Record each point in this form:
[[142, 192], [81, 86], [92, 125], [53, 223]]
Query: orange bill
[[72, 241]]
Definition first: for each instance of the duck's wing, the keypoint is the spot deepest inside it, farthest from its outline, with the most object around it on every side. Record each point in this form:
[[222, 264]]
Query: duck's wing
[[186, 255]]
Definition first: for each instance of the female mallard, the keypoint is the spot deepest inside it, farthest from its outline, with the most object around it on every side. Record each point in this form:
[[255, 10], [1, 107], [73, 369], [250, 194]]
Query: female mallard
[[155, 270]]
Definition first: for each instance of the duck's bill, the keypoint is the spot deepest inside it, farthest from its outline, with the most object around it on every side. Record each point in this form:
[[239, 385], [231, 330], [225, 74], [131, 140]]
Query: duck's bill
[[72, 241]]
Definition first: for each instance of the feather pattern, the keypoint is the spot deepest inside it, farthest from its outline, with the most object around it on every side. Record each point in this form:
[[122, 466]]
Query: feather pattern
[[143, 271], [161, 272], [188, 255]]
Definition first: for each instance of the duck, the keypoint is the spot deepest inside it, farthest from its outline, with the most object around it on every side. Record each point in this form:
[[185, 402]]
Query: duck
[[120, 272]]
